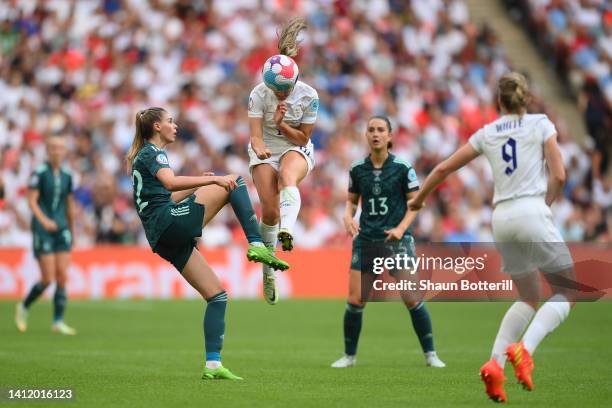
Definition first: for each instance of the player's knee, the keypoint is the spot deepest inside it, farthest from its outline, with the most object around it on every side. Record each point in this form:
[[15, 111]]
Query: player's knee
[[286, 179]]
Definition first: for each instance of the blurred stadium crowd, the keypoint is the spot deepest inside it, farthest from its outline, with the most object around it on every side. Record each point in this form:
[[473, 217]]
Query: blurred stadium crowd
[[84, 68], [576, 36]]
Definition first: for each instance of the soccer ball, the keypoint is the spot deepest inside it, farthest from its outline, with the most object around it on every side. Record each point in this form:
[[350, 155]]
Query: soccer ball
[[280, 73]]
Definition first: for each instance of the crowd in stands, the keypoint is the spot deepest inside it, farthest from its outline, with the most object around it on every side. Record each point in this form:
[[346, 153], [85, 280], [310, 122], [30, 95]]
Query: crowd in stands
[[576, 37], [84, 68]]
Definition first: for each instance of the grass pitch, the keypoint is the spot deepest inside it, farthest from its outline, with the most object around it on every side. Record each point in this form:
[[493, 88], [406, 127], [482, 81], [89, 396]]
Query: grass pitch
[[150, 354]]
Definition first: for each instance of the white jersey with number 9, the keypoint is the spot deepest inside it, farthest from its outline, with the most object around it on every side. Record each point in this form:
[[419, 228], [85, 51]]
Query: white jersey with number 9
[[514, 146], [522, 223]]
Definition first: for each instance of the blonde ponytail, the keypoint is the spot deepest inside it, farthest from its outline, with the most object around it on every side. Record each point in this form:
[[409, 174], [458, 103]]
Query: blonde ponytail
[[144, 130], [287, 42]]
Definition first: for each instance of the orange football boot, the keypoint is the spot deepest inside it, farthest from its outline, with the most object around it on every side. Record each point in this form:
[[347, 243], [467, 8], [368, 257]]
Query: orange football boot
[[493, 377], [522, 362]]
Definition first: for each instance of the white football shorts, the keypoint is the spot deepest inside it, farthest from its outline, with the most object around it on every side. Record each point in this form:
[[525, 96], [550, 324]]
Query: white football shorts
[[277, 153], [527, 238]]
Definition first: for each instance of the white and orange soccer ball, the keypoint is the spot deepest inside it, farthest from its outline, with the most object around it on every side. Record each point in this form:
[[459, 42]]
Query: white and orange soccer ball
[[280, 73]]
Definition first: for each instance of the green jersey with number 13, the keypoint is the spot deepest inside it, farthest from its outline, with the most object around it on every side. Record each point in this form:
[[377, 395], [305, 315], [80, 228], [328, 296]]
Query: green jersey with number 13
[[383, 194]]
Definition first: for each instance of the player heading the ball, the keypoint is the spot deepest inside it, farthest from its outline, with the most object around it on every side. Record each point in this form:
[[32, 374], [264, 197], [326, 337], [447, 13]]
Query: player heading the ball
[[282, 113]]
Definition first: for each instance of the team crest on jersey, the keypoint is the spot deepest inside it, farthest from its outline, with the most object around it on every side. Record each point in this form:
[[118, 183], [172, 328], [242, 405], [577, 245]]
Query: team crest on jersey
[[314, 105], [162, 159], [376, 190], [412, 175]]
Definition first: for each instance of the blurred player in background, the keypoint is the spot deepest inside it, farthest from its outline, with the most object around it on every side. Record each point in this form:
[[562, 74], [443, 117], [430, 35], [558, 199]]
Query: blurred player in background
[[282, 113], [384, 183], [519, 147], [50, 199], [174, 209]]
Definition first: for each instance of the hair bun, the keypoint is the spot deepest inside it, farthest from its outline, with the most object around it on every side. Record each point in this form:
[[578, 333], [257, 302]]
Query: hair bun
[[513, 92]]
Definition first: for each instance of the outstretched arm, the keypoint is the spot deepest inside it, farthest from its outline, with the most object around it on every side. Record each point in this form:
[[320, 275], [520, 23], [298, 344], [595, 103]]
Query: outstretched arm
[[179, 196], [460, 158], [187, 184]]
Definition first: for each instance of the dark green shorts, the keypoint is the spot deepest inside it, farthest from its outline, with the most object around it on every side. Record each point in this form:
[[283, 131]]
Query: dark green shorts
[[176, 243], [51, 242], [364, 251]]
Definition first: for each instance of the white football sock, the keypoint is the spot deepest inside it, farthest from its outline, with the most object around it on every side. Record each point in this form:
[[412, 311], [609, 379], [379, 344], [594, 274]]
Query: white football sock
[[290, 202], [549, 317], [512, 326], [269, 234]]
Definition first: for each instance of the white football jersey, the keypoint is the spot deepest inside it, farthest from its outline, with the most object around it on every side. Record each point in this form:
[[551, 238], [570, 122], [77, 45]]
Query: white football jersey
[[514, 147], [302, 106]]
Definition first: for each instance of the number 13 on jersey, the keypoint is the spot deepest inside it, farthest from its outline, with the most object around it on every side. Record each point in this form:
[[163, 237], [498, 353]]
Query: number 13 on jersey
[[382, 206]]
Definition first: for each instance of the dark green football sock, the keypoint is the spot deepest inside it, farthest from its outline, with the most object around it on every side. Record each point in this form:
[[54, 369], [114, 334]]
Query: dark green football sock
[[34, 293], [353, 317], [59, 304], [214, 326], [243, 208], [422, 326]]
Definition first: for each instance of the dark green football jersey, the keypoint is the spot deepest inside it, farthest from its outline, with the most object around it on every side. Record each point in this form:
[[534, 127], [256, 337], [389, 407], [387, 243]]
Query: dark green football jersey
[[383, 194], [152, 200], [53, 188]]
